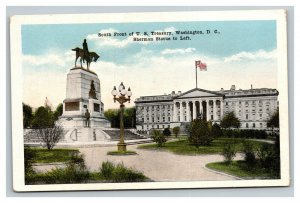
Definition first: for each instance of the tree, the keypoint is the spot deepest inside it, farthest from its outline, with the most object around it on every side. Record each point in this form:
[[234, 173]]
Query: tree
[[50, 136], [230, 120], [113, 116], [273, 122], [216, 130], [229, 152], [58, 112], [200, 133], [43, 118], [176, 131], [158, 137], [167, 132], [27, 115]]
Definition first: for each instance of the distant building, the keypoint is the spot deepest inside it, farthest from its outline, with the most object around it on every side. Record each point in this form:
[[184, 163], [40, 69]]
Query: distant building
[[253, 107]]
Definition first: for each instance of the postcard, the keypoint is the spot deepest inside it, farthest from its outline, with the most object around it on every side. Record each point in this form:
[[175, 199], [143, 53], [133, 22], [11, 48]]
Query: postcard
[[159, 100]]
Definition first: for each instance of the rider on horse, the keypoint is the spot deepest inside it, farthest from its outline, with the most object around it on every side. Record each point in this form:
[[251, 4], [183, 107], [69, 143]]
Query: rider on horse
[[85, 49]]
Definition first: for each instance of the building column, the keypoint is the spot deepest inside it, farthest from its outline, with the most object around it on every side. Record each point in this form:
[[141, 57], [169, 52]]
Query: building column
[[155, 114], [221, 108], [200, 108], [181, 111], [188, 112], [207, 111], [160, 113], [194, 110], [215, 109], [145, 113], [150, 114], [174, 112]]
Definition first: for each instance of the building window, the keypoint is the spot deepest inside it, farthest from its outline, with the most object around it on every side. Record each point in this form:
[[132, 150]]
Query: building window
[[143, 120], [157, 126], [152, 119], [240, 102], [163, 126], [253, 125], [169, 118], [184, 118], [168, 126], [260, 115], [247, 126], [226, 103], [247, 118], [212, 117], [261, 125]]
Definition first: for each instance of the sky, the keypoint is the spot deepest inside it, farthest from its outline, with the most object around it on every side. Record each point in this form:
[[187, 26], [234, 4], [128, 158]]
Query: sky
[[240, 53]]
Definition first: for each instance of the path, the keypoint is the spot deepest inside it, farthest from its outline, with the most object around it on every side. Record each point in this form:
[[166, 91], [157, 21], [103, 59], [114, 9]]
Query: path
[[158, 165]]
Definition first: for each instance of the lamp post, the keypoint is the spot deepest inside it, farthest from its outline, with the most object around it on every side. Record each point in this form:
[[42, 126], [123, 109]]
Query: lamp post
[[121, 93]]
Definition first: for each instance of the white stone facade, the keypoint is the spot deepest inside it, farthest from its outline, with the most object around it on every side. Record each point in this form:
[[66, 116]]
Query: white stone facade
[[253, 107], [77, 100]]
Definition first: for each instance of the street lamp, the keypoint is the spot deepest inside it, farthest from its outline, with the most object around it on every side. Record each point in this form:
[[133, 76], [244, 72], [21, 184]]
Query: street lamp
[[121, 93]]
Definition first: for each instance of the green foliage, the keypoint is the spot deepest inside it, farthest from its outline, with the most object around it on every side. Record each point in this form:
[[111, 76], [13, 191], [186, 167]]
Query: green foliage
[[273, 122], [230, 121], [27, 115], [249, 153], [200, 133], [216, 130], [120, 173], [184, 147], [127, 152], [129, 118], [43, 118], [176, 131], [241, 169], [58, 112], [229, 152], [158, 137], [29, 156], [237, 133], [167, 132]]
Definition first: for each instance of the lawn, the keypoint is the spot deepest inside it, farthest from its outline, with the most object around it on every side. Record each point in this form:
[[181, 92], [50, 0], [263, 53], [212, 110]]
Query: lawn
[[184, 147], [42, 155], [240, 169]]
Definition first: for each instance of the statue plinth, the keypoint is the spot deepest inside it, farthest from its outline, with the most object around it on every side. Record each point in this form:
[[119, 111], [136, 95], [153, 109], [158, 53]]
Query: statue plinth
[[78, 100]]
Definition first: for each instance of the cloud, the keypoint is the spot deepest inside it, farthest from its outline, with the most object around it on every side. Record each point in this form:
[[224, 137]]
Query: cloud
[[260, 54], [153, 74], [178, 51]]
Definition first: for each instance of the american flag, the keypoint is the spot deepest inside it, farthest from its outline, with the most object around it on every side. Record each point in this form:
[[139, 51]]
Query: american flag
[[200, 65]]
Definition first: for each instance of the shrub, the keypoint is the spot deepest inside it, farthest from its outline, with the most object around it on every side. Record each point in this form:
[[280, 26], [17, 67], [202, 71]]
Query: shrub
[[107, 169], [265, 154], [199, 133], [216, 130], [167, 132], [158, 137], [75, 172], [249, 153], [120, 173], [29, 156], [229, 152], [176, 131], [123, 174], [50, 136]]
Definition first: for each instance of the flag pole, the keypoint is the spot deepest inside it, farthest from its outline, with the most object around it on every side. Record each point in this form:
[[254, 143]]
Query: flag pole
[[196, 74]]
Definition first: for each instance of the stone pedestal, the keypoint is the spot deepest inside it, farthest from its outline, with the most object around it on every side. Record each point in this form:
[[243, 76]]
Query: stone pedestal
[[78, 100]]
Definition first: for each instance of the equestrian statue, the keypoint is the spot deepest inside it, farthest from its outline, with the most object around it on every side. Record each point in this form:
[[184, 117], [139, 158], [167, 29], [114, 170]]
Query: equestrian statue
[[85, 55]]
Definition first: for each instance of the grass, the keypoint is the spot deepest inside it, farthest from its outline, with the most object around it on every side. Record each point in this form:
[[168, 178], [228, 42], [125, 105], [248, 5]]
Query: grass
[[184, 147], [121, 153], [51, 156], [240, 169]]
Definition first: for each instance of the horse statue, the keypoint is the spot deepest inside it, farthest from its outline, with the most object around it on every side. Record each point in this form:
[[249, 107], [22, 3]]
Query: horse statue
[[85, 57]]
